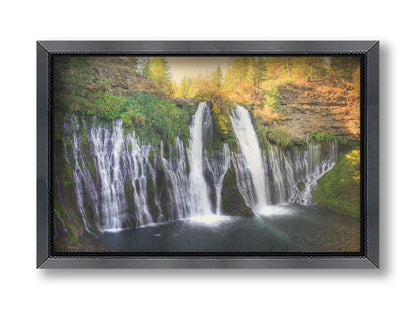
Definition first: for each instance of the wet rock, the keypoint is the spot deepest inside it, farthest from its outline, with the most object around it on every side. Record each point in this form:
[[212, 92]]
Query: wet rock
[[232, 201]]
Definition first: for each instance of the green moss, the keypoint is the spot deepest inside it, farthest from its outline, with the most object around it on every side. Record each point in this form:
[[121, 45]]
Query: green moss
[[324, 138], [59, 209], [151, 199], [152, 156], [232, 200], [354, 144], [222, 130], [301, 186], [84, 136], [71, 234], [297, 142], [66, 177], [261, 132], [339, 189], [279, 136], [91, 168], [129, 191], [155, 118]]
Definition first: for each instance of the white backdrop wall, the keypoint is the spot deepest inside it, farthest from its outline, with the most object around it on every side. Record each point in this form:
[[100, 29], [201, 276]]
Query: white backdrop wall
[[25, 288]]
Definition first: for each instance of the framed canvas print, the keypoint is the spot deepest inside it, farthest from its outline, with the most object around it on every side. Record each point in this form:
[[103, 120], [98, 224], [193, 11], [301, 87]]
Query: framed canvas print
[[207, 154]]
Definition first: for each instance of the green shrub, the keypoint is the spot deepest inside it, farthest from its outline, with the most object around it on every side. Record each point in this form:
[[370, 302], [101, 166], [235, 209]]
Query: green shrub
[[156, 118], [279, 136], [108, 107]]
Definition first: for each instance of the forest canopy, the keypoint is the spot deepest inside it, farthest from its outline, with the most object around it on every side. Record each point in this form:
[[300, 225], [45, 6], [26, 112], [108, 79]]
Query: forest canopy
[[131, 87]]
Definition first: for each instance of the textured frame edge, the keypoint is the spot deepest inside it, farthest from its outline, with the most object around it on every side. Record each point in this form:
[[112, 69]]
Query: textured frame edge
[[205, 47], [368, 48], [206, 263], [372, 150], [42, 98]]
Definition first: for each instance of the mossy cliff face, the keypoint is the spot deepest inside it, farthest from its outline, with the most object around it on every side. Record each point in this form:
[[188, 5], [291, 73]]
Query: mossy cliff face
[[232, 201], [339, 189]]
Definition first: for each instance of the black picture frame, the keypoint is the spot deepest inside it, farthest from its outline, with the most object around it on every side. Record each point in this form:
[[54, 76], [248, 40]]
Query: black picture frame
[[369, 50]]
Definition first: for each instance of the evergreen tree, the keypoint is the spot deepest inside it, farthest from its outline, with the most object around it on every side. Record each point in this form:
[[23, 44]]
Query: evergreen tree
[[159, 74]]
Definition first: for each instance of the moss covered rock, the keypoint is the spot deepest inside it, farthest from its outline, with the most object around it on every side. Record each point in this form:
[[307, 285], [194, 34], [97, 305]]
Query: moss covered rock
[[232, 200], [301, 186], [339, 189]]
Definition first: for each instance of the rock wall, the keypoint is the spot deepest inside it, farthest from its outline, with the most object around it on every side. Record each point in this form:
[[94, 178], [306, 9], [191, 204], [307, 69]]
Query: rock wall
[[313, 107]]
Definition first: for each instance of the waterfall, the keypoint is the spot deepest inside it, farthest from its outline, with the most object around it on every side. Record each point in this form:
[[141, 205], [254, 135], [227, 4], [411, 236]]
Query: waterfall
[[176, 174], [312, 165], [107, 148], [292, 175], [218, 168], [152, 169], [138, 162], [278, 163], [82, 177], [120, 181], [250, 148], [200, 203], [295, 173], [244, 181]]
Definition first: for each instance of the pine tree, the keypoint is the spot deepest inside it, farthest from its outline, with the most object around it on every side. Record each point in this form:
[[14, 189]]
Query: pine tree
[[160, 76]]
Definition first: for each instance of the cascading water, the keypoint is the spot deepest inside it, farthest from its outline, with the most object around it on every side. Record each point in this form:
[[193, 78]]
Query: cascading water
[[291, 175], [200, 203], [176, 174], [312, 165], [282, 175], [82, 176], [218, 167], [244, 181], [106, 149], [137, 160], [250, 148], [122, 182], [152, 169]]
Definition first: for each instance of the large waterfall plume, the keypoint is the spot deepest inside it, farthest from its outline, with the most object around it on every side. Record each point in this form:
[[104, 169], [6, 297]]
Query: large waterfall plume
[[200, 202], [250, 148]]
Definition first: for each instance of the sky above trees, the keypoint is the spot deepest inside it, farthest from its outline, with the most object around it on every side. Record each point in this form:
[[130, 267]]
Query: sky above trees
[[182, 67]]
